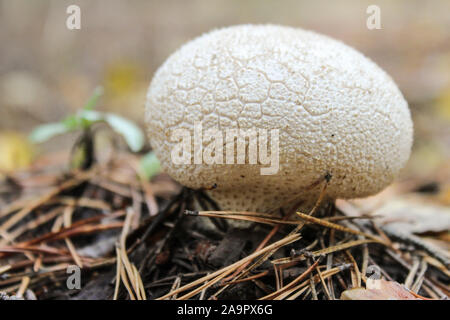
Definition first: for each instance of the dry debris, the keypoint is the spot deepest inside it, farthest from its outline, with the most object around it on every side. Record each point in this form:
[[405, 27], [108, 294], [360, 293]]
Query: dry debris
[[135, 239]]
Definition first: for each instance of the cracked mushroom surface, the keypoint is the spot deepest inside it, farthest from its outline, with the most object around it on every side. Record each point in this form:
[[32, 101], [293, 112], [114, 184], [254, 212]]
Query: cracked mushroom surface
[[337, 113]]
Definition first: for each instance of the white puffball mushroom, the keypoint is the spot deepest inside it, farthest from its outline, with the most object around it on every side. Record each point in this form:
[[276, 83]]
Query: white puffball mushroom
[[337, 113]]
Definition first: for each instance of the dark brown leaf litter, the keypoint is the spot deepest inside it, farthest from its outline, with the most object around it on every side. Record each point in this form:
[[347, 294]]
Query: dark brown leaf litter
[[135, 239]]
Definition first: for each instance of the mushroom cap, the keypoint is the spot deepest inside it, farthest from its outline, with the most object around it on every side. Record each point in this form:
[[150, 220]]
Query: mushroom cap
[[337, 113]]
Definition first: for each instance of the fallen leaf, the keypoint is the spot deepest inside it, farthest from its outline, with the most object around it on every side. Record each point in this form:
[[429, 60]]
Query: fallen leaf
[[411, 214], [379, 290]]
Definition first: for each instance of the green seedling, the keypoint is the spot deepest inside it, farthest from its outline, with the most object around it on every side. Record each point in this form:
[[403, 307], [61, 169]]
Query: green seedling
[[83, 121]]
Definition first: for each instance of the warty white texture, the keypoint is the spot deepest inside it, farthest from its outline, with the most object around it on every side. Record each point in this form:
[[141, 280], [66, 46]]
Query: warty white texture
[[337, 112]]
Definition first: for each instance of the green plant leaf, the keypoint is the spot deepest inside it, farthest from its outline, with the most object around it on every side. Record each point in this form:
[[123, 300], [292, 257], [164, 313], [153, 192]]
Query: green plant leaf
[[90, 116], [92, 102], [85, 118], [71, 122], [46, 131], [149, 166], [132, 134]]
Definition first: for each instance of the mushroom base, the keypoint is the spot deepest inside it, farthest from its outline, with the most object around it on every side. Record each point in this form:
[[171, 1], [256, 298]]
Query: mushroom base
[[244, 200]]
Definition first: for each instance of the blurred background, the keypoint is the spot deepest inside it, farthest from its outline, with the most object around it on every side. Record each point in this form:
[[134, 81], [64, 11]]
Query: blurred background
[[48, 71]]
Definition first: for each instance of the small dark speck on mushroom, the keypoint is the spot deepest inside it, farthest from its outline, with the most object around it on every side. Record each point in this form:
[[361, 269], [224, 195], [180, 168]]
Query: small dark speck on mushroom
[[214, 186]]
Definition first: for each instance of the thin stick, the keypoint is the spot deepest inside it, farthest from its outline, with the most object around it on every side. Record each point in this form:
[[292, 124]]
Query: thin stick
[[118, 273], [356, 274], [256, 276], [418, 283], [23, 286], [312, 285], [38, 202], [338, 227], [275, 245], [292, 283], [322, 280], [260, 246], [325, 251], [412, 273]]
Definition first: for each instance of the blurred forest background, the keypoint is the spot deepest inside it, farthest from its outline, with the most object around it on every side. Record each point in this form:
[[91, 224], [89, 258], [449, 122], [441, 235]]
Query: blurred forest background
[[48, 71]]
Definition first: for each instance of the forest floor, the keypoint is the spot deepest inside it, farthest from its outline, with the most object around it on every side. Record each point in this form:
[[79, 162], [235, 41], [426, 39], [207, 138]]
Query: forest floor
[[104, 233]]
